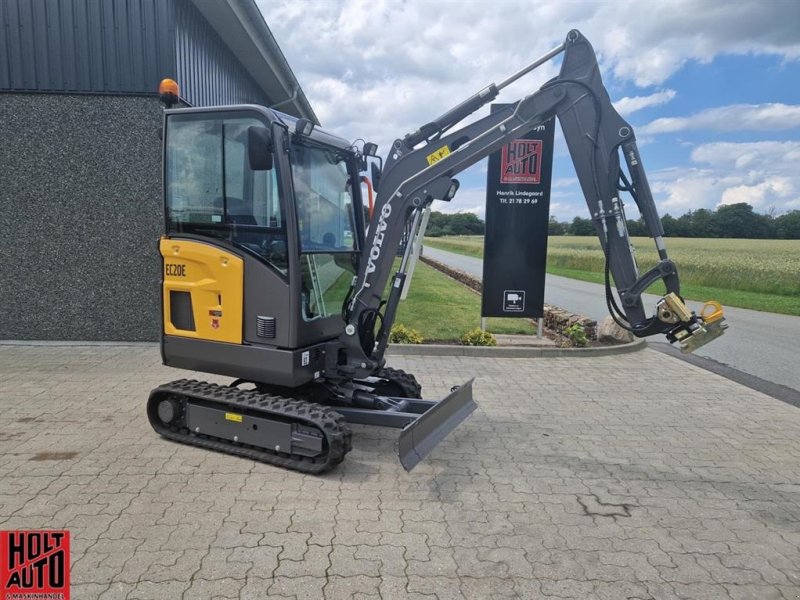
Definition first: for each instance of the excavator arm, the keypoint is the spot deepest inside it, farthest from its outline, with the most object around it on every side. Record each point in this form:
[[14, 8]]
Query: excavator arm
[[420, 168]]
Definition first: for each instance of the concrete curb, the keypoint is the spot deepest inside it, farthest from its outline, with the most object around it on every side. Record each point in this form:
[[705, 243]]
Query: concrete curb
[[75, 343], [512, 351]]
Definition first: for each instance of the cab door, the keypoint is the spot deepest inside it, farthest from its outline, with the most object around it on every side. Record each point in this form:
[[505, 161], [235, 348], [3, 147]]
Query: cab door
[[226, 254]]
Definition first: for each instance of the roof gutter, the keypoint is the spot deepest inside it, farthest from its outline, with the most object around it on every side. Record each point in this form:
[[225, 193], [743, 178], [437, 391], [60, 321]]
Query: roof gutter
[[294, 92], [243, 29]]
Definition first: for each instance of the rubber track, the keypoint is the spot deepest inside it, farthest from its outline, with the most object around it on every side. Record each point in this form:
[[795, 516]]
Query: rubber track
[[332, 425], [405, 380]]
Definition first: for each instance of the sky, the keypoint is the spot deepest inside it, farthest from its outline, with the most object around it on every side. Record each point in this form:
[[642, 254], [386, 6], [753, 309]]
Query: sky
[[711, 88]]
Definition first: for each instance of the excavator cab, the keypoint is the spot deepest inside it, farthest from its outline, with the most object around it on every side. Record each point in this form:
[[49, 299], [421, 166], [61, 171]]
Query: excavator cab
[[264, 228]]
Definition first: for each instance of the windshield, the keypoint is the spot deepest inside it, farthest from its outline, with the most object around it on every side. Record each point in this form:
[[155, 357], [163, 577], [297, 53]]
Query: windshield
[[324, 199]]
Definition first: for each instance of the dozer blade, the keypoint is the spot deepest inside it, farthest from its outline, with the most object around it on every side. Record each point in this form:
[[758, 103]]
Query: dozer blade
[[422, 435]]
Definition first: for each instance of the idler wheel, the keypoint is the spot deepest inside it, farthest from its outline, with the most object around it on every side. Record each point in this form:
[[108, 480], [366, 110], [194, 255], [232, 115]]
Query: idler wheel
[[167, 411]]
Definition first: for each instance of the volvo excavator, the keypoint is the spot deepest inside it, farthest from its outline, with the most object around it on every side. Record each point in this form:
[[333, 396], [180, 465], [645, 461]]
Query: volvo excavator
[[276, 275]]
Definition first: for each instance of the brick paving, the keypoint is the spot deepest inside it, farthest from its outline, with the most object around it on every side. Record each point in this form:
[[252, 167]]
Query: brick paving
[[627, 477]]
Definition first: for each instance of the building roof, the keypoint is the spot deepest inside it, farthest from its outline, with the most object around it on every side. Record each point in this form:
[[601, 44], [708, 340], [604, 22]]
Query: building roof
[[243, 29]]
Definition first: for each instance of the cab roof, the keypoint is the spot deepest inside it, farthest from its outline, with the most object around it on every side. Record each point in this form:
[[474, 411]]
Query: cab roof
[[318, 134]]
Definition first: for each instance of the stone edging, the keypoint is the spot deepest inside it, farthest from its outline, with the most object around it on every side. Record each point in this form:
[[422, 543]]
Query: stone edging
[[512, 351]]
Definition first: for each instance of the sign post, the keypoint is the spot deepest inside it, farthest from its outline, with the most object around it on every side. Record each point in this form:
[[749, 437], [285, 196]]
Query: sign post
[[517, 218]]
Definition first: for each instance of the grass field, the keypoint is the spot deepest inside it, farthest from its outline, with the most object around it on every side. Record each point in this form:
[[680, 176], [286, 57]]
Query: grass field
[[757, 274], [442, 309]]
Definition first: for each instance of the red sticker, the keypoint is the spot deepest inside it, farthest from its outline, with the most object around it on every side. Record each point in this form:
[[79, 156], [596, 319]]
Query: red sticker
[[34, 565], [521, 162]]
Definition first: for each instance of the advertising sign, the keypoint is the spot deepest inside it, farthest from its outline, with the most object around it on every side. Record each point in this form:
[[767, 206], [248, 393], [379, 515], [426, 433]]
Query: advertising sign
[[517, 216]]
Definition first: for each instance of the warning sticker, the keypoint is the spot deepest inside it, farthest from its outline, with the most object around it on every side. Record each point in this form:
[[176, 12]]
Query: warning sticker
[[233, 417], [34, 564], [438, 155]]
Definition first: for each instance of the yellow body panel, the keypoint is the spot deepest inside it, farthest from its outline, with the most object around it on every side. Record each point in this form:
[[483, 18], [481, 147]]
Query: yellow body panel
[[215, 280]]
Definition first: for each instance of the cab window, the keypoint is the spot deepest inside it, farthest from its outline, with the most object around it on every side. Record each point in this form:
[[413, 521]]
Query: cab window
[[211, 190], [324, 199], [321, 177]]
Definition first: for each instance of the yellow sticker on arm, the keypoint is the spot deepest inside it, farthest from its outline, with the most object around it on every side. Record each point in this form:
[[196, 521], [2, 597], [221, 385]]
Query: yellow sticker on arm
[[438, 155]]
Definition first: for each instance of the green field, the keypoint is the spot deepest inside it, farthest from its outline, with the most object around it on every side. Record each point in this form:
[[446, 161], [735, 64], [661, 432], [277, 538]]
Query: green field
[[442, 309], [757, 274]]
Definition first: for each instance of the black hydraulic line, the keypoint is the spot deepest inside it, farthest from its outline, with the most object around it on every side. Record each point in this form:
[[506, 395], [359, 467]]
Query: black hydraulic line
[[611, 303], [391, 308], [613, 308], [626, 185]]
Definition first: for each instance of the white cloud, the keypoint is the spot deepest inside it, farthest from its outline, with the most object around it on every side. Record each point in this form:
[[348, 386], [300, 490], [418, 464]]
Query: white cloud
[[378, 69], [658, 38], [467, 200], [735, 117], [560, 182], [756, 154], [757, 195], [627, 105], [763, 174]]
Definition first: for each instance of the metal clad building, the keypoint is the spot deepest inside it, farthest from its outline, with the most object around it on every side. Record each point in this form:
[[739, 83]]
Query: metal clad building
[[115, 46], [208, 70], [80, 155]]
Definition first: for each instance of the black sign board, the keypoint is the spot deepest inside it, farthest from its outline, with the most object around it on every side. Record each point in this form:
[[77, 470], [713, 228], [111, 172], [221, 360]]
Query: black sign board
[[517, 215]]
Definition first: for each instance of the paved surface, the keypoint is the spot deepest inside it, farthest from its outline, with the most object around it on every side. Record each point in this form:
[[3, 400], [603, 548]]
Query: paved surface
[[568, 482], [759, 343]]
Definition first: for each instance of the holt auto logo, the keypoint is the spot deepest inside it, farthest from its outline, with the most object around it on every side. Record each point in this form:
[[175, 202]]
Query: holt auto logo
[[521, 162], [34, 565]]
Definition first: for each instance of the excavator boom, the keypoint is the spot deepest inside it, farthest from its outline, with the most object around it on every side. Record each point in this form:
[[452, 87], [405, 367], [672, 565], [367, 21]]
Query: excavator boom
[[421, 166]]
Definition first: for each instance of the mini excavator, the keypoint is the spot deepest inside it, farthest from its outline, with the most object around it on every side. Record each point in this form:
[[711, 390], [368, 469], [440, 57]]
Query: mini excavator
[[275, 274]]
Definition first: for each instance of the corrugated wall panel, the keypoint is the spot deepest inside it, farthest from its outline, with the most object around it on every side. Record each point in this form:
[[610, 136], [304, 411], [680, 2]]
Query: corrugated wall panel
[[116, 46], [208, 72], [5, 76]]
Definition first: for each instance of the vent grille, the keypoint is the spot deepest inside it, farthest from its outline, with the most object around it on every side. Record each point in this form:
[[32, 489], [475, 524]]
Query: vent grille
[[265, 327]]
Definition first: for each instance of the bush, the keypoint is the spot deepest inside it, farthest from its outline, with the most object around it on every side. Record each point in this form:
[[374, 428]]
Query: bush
[[576, 335], [478, 337], [400, 334]]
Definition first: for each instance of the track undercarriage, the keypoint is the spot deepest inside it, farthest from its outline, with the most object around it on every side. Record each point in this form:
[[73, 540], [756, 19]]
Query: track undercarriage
[[306, 429]]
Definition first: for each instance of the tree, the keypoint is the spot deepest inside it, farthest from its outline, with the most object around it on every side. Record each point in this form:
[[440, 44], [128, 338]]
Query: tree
[[441, 224], [670, 225], [702, 223], [637, 228], [554, 227], [787, 226], [736, 221], [581, 226], [683, 225], [466, 224]]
